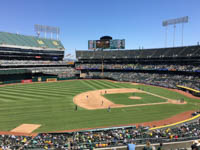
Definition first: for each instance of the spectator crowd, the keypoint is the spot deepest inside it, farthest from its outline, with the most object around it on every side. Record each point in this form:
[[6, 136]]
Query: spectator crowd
[[31, 63], [108, 137], [164, 80], [164, 67]]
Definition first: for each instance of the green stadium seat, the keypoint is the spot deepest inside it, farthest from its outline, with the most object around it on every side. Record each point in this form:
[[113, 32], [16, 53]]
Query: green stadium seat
[[29, 41]]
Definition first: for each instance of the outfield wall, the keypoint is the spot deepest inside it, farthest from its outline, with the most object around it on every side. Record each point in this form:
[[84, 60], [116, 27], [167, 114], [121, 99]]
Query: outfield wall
[[38, 79]]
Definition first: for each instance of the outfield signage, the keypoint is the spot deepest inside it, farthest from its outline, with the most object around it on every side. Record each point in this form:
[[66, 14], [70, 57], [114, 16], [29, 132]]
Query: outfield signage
[[26, 81], [39, 79], [51, 79]]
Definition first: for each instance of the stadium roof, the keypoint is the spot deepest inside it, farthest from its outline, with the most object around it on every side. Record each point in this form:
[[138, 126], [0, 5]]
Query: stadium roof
[[29, 42]]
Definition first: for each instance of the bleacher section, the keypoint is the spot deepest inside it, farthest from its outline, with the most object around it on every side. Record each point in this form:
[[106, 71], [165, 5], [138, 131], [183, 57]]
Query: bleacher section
[[25, 57], [18, 63], [137, 66], [14, 71], [21, 47], [9, 53], [17, 40], [167, 67], [178, 52], [109, 138]]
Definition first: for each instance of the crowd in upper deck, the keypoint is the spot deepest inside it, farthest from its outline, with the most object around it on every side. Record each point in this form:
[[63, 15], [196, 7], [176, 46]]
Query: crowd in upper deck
[[161, 67], [175, 52], [31, 63]]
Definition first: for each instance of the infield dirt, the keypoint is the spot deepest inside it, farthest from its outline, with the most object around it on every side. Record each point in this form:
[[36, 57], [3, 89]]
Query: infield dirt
[[95, 100], [26, 128]]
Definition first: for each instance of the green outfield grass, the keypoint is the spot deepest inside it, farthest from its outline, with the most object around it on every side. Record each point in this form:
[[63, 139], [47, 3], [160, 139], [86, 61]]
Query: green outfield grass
[[123, 98], [51, 105]]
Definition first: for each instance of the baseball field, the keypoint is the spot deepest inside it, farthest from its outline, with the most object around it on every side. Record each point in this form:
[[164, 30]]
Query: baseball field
[[52, 105]]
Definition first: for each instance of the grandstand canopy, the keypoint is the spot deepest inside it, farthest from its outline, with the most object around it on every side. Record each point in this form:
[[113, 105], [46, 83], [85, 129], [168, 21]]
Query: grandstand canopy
[[33, 42]]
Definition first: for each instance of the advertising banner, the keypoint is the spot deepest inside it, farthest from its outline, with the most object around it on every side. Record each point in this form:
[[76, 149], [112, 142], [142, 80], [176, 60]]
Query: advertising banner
[[26, 81], [39, 79], [51, 79]]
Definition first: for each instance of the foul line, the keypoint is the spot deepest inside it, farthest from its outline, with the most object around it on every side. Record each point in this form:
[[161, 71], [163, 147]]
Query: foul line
[[173, 124]]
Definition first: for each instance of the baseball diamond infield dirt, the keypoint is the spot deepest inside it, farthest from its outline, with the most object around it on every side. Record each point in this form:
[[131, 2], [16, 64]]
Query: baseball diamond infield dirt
[[94, 99], [26, 128]]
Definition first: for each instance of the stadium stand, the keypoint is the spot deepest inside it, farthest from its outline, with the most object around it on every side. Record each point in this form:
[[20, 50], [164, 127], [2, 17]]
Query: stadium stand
[[27, 57], [178, 52], [31, 63], [10, 39], [105, 137], [164, 67], [12, 142], [167, 67], [163, 80], [21, 47]]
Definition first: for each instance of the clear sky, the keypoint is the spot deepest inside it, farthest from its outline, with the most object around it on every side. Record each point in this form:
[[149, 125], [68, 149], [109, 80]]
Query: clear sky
[[137, 21]]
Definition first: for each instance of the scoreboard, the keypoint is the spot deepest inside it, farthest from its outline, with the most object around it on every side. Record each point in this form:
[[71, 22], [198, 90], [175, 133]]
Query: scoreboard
[[117, 44], [106, 44]]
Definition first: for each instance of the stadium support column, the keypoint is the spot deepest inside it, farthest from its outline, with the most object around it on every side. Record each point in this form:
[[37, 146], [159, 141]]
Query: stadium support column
[[45, 32], [102, 63], [51, 35], [174, 35], [182, 33], [166, 36], [102, 68]]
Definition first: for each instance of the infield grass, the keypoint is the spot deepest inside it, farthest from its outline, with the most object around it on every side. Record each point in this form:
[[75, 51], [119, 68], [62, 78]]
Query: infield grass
[[123, 98], [51, 105]]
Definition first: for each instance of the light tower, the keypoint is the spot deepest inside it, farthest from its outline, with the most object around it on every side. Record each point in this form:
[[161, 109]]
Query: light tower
[[166, 23], [47, 29]]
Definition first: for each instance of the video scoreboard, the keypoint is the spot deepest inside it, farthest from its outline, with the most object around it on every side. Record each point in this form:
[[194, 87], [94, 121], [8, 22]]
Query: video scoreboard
[[106, 44]]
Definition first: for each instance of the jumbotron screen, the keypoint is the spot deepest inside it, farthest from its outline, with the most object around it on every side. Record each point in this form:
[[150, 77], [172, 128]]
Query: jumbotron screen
[[106, 44]]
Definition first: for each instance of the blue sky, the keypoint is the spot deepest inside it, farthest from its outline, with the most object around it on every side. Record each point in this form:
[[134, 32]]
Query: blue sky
[[137, 21]]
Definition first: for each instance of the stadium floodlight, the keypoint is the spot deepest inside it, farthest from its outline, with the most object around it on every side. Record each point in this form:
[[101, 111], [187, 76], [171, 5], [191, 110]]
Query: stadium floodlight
[[175, 21], [166, 23], [47, 29]]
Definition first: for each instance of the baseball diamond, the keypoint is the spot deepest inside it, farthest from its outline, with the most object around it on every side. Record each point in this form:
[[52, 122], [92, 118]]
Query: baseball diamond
[[51, 105]]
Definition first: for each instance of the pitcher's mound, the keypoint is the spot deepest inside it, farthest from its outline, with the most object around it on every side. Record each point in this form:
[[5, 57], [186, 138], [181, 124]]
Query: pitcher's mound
[[134, 97], [26, 128]]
